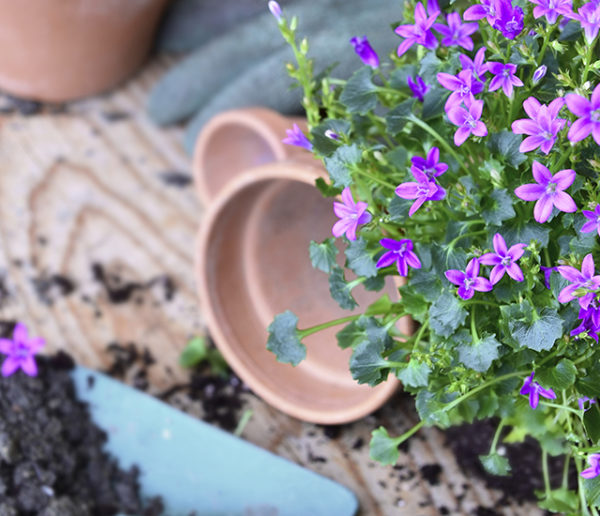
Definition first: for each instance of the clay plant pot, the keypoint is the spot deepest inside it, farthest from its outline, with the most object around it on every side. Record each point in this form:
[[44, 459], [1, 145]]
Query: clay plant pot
[[252, 262], [60, 50], [236, 140]]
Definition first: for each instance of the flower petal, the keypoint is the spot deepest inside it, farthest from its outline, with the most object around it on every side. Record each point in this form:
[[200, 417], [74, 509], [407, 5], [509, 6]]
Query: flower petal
[[29, 366], [541, 173], [578, 105], [564, 202], [515, 272], [9, 366], [530, 192], [455, 276], [564, 178], [387, 259], [587, 266], [407, 190], [580, 129], [543, 209]]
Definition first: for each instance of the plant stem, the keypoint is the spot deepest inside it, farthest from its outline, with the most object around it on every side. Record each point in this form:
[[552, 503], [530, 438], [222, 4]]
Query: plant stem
[[401, 438], [372, 177], [473, 328], [565, 475], [497, 437], [545, 472], [588, 61], [556, 405], [314, 329]]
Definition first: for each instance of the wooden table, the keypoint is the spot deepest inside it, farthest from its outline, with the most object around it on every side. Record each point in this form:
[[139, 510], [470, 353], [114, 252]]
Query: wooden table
[[83, 191]]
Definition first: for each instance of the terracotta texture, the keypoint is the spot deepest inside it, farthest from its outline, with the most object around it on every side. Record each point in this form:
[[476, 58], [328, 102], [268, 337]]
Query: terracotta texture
[[252, 263], [59, 50]]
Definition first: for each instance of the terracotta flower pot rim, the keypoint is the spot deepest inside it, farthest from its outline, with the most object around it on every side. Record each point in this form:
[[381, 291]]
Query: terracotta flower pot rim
[[286, 170]]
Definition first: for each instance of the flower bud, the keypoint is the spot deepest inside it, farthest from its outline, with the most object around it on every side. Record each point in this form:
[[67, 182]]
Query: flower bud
[[539, 74], [275, 9]]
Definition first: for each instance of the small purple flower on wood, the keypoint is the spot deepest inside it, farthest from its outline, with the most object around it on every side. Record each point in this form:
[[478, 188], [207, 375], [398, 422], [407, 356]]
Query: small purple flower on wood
[[418, 88], [509, 19], [504, 260], [401, 252], [588, 16], [505, 77], [469, 281], [484, 9], [552, 9], [424, 189], [542, 126], [296, 137], [584, 280], [351, 214], [548, 191], [468, 122], [477, 66], [582, 401], [20, 351], [594, 470], [588, 113], [419, 32], [535, 390], [463, 87], [456, 33], [430, 166], [275, 9], [365, 51], [593, 222]]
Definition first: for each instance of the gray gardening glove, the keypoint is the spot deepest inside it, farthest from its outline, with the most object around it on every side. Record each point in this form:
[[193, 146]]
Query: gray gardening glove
[[247, 66]]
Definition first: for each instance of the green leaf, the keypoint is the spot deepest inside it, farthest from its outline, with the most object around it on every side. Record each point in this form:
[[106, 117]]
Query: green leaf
[[194, 352], [397, 158], [426, 283], [284, 339], [367, 362], [479, 355], [430, 66], [382, 306], [561, 500], [399, 77], [326, 189], [359, 93], [446, 314], [339, 289], [525, 232], [444, 257], [506, 144], [359, 259], [431, 410], [589, 385], [321, 143], [376, 283], [340, 162], [323, 255], [433, 103], [495, 464], [591, 489], [591, 421], [398, 208], [527, 329], [383, 448], [396, 118], [557, 377], [501, 208], [351, 335], [583, 243], [415, 374], [413, 303]]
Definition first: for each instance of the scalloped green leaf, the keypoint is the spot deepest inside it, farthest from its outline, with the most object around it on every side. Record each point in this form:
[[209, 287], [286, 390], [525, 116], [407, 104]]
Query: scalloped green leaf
[[284, 339]]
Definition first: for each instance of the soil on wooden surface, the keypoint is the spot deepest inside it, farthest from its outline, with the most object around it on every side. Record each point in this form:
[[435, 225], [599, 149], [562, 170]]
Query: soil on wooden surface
[[51, 457]]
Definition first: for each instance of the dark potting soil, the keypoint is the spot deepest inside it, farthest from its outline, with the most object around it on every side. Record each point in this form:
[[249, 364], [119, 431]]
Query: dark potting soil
[[51, 457]]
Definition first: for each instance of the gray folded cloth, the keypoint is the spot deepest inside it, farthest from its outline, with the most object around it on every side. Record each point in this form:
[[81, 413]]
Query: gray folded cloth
[[246, 66]]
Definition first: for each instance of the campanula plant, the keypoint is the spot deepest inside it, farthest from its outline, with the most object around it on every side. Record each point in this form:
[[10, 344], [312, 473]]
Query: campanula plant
[[466, 161]]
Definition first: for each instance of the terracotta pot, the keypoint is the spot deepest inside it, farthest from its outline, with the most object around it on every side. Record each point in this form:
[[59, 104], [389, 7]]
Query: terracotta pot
[[59, 50], [252, 262], [236, 140]]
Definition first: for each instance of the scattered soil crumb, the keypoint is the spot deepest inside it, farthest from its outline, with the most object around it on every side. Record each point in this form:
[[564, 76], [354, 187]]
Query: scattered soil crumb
[[175, 178], [431, 473], [50, 287], [115, 116]]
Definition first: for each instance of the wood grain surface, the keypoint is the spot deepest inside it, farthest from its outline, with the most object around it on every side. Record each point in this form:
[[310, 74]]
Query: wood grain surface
[[85, 196]]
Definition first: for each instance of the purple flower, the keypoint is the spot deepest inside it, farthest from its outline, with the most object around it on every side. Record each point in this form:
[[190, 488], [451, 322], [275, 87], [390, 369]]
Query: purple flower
[[20, 350], [542, 126], [331, 135], [401, 252], [463, 86], [504, 260], [365, 51], [467, 121], [588, 16], [584, 280], [425, 189], [539, 74], [547, 273], [296, 137], [477, 65], [552, 9], [420, 32], [509, 19], [548, 191], [590, 320], [275, 9], [351, 214], [588, 113], [456, 33], [418, 87], [593, 222], [582, 401], [594, 470], [535, 390], [504, 77], [485, 9], [469, 281], [430, 166]]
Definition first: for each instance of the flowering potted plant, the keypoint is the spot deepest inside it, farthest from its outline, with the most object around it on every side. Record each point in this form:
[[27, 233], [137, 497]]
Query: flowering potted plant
[[468, 164]]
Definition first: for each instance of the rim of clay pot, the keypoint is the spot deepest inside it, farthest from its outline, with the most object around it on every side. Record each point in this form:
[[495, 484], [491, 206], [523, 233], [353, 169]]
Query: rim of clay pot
[[256, 186], [236, 140]]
